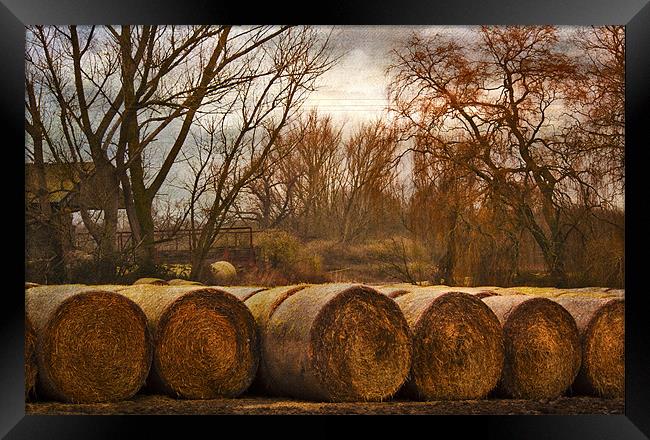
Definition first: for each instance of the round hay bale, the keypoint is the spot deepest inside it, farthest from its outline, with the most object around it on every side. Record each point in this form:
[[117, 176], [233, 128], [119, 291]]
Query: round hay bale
[[222, 273], [206, 343], [154, 281], [457, 346], [92, 345], [542, 346], [601, 323], [262, 304], [179, 282], [30, 359], [336, 342]]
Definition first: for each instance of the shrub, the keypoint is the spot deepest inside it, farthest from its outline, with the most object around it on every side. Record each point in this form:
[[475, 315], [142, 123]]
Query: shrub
[[181, 271], [402, 259], [284, 257], [277, 249]]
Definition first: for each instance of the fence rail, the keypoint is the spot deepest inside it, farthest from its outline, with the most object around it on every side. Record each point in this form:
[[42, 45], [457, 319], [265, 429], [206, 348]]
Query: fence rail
[[176, 246]]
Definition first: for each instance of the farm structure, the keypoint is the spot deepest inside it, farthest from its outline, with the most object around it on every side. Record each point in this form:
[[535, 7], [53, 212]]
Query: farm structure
[[71, 187], [233, 244]]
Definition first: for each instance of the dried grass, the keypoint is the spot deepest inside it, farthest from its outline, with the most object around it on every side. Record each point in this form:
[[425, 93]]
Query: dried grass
[[154, 281]]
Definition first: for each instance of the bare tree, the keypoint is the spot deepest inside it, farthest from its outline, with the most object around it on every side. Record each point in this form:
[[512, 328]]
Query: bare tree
[[315, 160], [325, 186], [599, 107], [132, 92], [494, 107], [242, 132], [273, 194], [56, 119], [369, 170]]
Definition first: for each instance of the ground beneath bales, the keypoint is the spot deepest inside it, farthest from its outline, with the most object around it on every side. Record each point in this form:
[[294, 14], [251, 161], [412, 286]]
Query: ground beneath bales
[[154, 404]]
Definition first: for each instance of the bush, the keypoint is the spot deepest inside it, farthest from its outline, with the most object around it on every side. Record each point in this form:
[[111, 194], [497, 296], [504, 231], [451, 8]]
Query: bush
[[277, 249], [92, 270], [284, 257], [401, 259], [181, 271]]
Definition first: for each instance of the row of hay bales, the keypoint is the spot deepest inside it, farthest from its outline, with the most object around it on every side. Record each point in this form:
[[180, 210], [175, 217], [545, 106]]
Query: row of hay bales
[[541, 351], [219, 273], [330, 342]]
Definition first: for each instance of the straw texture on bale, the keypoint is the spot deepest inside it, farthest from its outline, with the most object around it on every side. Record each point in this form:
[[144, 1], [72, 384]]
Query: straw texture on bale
[[243, 292], [601, 323], [396, 290], [29, 285], [620, 293], [206, 343], [542, 346], [30, 358], [393, 291], [554, 292], [92, 345], [179, 282], [222, 273], [154, 281], [457, 345], [485, 294], [336, 342], [478, 292], [262, 304]]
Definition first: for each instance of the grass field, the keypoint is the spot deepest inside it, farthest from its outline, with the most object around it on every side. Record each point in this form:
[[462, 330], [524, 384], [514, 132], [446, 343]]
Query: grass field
[[155, 404]]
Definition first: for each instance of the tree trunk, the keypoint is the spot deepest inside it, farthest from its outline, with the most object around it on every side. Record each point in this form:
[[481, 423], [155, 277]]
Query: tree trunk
[[448, 260], [142, 224], [198, 262], [146, 250], [554, 258], [109, 256], [109, 199]]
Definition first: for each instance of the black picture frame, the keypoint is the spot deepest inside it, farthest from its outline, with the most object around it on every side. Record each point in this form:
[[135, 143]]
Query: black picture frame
[[635, 14]]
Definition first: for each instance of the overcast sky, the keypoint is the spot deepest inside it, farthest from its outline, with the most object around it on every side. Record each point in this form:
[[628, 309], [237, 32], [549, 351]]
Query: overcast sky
[[355, 89]]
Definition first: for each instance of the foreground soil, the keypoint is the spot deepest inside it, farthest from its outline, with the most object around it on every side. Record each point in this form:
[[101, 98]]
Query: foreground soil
[[154, 404]]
